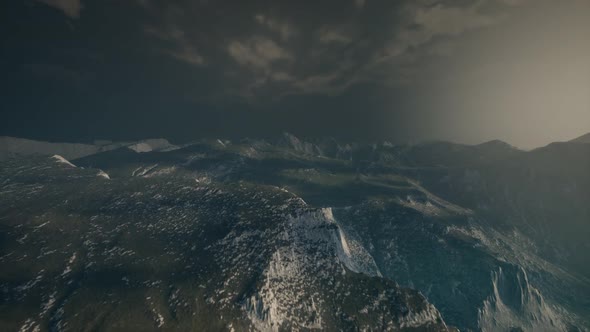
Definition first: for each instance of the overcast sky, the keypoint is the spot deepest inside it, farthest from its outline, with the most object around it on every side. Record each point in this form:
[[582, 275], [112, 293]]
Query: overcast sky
[[466, 71]]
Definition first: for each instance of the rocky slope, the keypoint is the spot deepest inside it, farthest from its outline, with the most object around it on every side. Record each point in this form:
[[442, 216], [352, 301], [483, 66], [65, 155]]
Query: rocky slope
[[258, 235], [80, 251]]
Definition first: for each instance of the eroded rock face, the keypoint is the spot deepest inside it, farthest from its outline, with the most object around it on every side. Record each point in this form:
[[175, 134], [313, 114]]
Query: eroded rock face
[[516, 304]]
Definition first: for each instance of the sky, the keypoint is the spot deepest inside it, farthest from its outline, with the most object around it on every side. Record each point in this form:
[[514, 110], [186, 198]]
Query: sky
[[403, 71]]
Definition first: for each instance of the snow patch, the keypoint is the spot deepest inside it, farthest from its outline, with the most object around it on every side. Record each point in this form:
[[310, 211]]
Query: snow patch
[[163, 171], [150, 145], [31, 283], [140, 147], [62, 160], [30, 326], [103, 174], [142, 171], [47, 305], [417, 319], [69, 266], [159, 319]]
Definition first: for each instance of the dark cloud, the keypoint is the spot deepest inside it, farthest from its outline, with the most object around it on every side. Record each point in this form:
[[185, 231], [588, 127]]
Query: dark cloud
[[283, 29], [389, 65], [180, 47], [70, 8], [289, 48]]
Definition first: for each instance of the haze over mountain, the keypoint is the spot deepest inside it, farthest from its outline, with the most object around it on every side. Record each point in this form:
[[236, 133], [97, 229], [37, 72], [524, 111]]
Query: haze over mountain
[[297, 234], [12, 146], [582, 139]]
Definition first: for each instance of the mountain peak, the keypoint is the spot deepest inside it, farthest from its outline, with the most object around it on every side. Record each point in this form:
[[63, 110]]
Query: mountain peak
[[298, 145], [497, 144], [582, 139], [152, 144]]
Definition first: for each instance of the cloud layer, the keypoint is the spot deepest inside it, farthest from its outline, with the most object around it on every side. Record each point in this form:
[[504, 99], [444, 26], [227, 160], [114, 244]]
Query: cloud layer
[[286, 48], [70, 8], [411, 68]]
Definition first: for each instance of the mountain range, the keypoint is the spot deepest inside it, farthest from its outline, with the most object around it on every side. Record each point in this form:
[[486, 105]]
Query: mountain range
[[294, 234]]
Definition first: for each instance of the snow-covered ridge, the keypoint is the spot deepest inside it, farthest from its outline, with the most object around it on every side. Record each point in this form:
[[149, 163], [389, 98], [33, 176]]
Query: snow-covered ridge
[[103, 174], [315, 249], [350, 251], [149, 145], [62, 160]]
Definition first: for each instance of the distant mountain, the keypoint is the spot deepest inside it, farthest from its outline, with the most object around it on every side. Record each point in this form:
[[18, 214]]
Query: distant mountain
[[150, 145], [326, 147], [13, 147], [582, 139], [458, 155], [292, 142], [543, 192]]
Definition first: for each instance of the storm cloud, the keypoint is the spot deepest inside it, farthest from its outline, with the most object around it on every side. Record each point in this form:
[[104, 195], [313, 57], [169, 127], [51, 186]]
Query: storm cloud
[[398, 70]]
